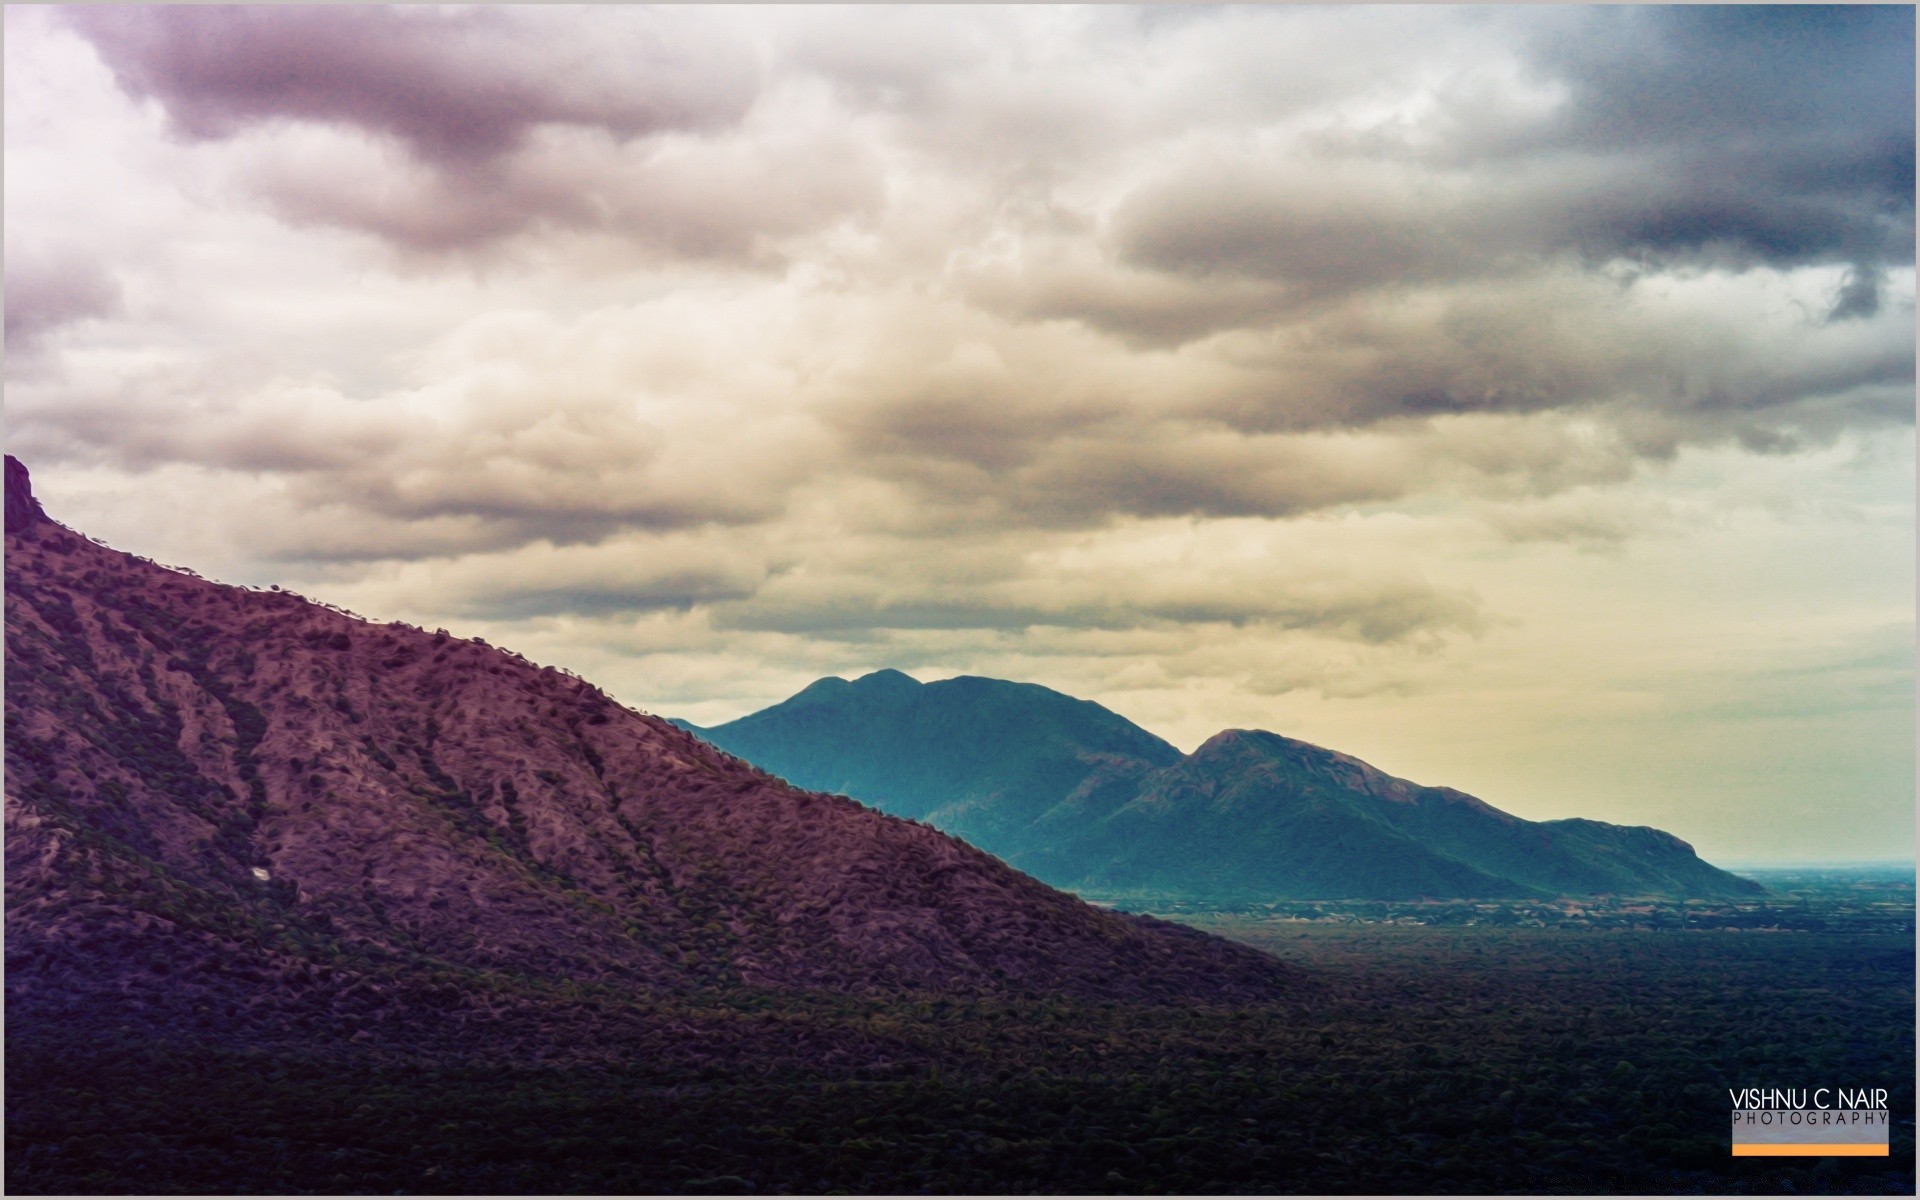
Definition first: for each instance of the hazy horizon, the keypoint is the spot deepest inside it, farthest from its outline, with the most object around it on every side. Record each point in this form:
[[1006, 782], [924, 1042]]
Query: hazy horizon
[[1518, 399]]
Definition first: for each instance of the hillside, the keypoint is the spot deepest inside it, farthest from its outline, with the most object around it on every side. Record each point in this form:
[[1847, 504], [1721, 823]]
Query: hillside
[[230, 809], [1084, 799]]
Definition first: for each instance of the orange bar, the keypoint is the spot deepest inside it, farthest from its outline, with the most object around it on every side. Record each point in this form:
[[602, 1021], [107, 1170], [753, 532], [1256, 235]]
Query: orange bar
[[1795, 1149]]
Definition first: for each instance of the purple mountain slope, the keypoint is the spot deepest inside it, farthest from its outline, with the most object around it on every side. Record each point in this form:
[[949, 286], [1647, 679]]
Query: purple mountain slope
[[243, 796]]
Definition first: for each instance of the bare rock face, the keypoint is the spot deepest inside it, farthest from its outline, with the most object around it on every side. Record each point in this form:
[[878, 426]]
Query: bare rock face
[[191, 765], [22, 509]]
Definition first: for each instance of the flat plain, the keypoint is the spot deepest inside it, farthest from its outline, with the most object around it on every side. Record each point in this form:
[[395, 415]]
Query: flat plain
[[1425, 1059]]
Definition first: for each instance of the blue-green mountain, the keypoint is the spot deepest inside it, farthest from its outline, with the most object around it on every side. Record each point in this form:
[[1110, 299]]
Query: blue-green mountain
[[1084, 799]]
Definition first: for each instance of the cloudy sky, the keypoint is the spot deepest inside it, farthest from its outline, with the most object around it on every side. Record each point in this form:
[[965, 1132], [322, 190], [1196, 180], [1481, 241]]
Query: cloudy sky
[[1521, 399]]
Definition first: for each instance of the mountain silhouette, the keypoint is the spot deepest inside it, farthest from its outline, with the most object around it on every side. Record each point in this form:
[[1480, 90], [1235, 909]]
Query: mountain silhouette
[[1084, 799]]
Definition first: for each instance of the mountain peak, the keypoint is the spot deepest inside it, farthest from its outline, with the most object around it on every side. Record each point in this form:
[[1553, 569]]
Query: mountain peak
[[828, 685], [1230, 741], [23, 511], [889, 679], [1226, 737]]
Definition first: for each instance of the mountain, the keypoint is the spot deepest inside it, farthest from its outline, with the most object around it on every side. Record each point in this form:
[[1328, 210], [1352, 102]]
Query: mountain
[[230, 809], [1084, 799], [983, 759]]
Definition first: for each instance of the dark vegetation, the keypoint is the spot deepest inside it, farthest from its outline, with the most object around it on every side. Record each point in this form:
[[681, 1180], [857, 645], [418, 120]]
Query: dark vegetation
[[1428, 1060]]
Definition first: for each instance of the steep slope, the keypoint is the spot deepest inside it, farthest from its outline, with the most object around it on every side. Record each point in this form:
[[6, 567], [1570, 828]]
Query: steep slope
[[1085, 800], [249, 794], [1011, 766]]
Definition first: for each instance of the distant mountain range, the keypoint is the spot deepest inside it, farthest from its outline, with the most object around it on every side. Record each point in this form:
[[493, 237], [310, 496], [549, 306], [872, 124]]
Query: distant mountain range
[[241, 812], [1084, 799]]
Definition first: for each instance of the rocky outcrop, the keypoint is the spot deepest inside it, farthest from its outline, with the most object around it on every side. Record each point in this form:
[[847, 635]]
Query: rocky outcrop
[[23, 511]]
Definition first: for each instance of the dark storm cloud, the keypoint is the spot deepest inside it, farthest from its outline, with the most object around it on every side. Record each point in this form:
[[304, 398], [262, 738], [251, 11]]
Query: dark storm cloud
[[1745, 134], [457, 85], [1691, 136], [1708, 75]]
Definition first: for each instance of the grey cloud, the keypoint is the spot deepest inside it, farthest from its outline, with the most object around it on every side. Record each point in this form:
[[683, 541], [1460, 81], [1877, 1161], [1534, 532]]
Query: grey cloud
[[458, 86], [1194, 472], [1859, 294], [423, 211], [991, 431], [562, 506], [1725, 212], [1149, 468], [1729, 73], [1318, 235], [1367, 613], [718, 198], [158, 420], [681, 591], [1862, 380], [1780, 134], [46, 290], [1559, 340], [613, 119], [1149, 309], [304, 531], [1318, 230], [392, 482], [582, 493], [1692, 136]]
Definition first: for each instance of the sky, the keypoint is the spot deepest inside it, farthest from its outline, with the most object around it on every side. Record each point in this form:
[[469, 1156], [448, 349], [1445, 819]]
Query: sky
[[1518, 398]]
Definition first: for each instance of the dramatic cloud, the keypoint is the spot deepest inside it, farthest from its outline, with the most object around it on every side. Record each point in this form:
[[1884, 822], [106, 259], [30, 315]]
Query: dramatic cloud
[[1786, 135], [1393, 376], [459, 86], [438, 129]]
